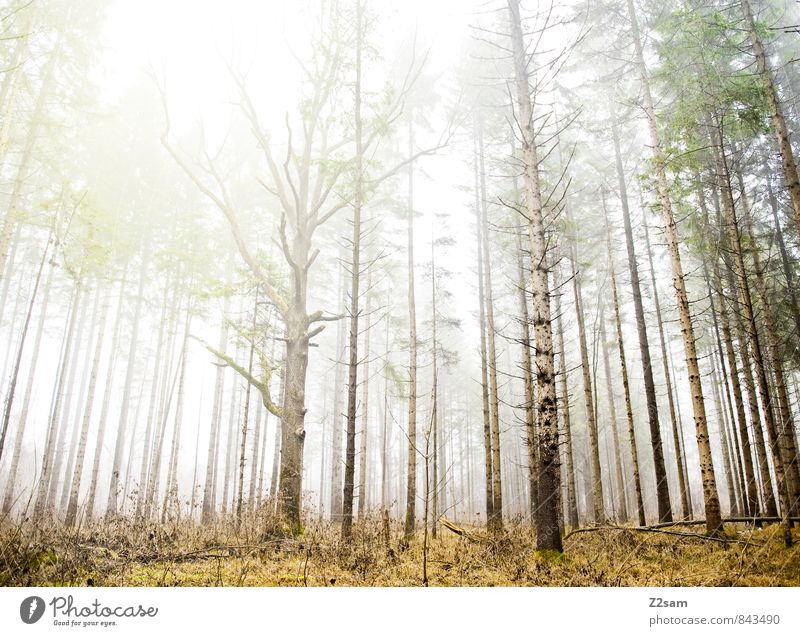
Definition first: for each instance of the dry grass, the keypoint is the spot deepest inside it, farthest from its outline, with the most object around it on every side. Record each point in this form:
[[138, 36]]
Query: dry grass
[[121, 553]]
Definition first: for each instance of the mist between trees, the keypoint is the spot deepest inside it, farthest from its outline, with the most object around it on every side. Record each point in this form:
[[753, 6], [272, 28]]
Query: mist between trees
[[455, 268]]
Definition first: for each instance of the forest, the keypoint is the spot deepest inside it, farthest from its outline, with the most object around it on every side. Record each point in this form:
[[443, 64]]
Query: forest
[[360, 293]]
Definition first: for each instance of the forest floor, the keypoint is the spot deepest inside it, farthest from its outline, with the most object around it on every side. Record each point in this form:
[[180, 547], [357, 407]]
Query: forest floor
[[120, 553]]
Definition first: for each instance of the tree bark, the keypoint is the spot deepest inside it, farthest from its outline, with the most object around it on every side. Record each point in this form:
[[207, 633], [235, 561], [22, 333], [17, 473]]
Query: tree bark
[[677, 426], [712, 509], [548, 535], [662, 485]]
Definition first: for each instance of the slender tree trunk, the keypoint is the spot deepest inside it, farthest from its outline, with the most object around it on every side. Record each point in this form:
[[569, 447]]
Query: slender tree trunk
[[101, 426], [487, 427], [364, 441], [246, 418], [712, 509], [617, 459], [548, 536], [677, 426], [596, 477], [662, 485], [385, 423], [435, 389], [151, 414], [527, 381], [50, 442], [119, 446], [337, 483], [411, 477], [69, 390], [496, 519], [171, 500], [75, 485], [637, 482], [355, 296], [209, 488], [723, 438], [83, 391]]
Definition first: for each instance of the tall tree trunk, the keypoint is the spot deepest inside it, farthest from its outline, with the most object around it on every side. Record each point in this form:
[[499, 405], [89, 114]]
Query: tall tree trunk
[[677, 426], [596, 477], [496, 518], [723, 438], [83, 391], [154, 394], [527, 380], [411, 477], [119, 446], [662, 485], [548, 535], [171, 500], [246, 418], [363, 442], [69, 390], [337, 483], [50, 441], [617, 459], [355, 296], [637, 482], [723, 333], [385, 420], [487, 427], [75, 485], [209, 488], [101, 426], [712, 509], [435, 390]]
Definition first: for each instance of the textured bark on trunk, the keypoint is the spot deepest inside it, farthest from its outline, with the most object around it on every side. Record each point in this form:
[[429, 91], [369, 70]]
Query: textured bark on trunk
[[77, 473], [487, 427], [662, 486], [677, 426], [637, 482], [596, 476], [496, 518], [411, 475], [612, 408], [548, 535], [355, 297], [527, 380], [710, 496]]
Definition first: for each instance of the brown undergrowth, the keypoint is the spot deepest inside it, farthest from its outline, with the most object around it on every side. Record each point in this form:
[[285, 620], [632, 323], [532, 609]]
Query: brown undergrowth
[[256, 552]]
